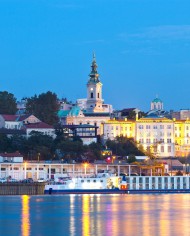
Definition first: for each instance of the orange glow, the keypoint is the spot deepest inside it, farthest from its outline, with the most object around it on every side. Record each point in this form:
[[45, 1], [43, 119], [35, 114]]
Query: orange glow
[[25, 216]]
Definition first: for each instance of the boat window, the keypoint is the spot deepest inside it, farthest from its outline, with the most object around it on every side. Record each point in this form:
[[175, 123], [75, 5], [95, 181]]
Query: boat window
[[88, 181], [94, 181], [82, 181], [101, 180]]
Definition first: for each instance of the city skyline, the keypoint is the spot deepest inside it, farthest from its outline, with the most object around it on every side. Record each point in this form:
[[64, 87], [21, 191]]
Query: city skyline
[[142, 50]]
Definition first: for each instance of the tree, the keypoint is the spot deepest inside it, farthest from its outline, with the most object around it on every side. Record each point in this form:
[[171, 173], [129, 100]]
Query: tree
[[45, 107], [7, 103], [40, 144], [123, 146], [5, 143], [131, 158]]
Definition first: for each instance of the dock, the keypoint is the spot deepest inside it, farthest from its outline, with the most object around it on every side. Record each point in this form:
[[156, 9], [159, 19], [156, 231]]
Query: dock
[[22, 188]]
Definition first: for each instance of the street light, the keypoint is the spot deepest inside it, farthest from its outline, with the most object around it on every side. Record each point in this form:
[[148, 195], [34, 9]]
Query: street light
[[85, 166], [38, 157], [113, 159]]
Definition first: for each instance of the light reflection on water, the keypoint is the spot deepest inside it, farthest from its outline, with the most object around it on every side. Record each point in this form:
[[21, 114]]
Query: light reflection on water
[[85, 215], [25, 216]]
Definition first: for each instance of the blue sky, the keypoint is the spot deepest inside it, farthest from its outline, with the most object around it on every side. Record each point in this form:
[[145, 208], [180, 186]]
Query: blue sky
[[142, 49]]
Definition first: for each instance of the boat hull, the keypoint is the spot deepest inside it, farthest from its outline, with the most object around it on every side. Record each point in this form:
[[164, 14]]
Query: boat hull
[[116, 191]]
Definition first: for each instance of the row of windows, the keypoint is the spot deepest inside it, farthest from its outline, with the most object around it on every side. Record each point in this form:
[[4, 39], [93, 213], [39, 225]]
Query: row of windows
[[154, 140], [154, 127], [169, 134], [179, 128]]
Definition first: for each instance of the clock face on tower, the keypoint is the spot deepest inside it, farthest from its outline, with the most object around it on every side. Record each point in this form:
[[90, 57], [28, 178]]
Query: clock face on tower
[[91, 89]]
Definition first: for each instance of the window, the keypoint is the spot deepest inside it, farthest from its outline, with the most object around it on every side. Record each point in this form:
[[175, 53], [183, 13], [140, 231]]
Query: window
[[147, 126], [98, 95], [162, 148], [169, 149], [162, 140], [169, 140], [169, 126], [91, 95]]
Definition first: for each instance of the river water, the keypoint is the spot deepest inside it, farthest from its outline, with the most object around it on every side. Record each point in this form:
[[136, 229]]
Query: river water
[[96, 215]]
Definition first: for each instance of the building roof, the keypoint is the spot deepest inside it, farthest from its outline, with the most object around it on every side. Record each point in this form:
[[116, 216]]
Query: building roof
[[63, 113], [39, 125], [13, 154], [79, 126], [156, 100], [15, 117], [9, 117], [97, 114], [74, 111]]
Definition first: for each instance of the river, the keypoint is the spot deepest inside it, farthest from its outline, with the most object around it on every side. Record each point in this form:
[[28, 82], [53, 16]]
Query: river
[[95, 215]]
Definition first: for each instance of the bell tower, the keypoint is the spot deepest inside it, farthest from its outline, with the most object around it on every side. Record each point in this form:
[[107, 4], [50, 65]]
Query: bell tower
[[94, 90]]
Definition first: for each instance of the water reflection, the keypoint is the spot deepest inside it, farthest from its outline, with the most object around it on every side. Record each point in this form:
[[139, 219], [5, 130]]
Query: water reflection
[[105, 215], [72, 215], [85, 216], [25, 216]]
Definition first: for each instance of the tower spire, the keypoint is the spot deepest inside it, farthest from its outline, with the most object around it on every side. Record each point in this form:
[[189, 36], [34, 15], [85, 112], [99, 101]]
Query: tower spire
[[94, 76]]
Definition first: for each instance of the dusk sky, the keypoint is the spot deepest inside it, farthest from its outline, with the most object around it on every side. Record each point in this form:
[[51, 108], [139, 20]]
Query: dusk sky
[[142, 49]]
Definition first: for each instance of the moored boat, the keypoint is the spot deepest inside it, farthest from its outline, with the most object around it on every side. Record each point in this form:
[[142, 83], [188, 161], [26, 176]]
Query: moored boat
[[125, 185]]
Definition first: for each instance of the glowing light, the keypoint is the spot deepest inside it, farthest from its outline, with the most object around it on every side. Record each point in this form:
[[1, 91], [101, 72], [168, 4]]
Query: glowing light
[[71, 185]]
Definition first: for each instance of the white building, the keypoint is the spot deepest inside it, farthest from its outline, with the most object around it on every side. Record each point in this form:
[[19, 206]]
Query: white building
[[156, 135], [41, 127], [16, 121]]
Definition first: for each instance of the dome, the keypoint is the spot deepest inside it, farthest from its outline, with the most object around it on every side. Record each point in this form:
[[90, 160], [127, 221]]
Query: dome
[[156, 100]]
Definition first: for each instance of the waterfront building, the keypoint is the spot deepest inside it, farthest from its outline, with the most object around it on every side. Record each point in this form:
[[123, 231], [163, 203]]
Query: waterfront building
[[156, 135], [114, 128], [182, 138]]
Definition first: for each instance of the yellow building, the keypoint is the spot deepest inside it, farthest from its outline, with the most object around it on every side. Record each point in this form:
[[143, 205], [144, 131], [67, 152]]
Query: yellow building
[[182, 138], [114, 128]]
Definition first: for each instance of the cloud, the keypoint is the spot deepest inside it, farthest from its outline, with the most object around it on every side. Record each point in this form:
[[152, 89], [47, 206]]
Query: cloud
[[164, 33]]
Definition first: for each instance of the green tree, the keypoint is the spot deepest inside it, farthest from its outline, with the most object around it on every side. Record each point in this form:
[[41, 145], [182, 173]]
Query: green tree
[[45, 107], [123, 146], [5, 143], [7, 103], [131, 158], [40, 144]]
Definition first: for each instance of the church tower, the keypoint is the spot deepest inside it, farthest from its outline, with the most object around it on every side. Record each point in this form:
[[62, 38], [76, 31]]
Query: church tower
[[157, 104], [94, 90]]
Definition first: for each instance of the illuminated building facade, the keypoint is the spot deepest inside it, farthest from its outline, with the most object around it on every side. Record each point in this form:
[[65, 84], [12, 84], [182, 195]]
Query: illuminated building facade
[[114, 128], [156, 135], [182, 138], [160, 136]]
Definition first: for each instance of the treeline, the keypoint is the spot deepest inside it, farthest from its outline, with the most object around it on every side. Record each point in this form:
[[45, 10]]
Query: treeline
[[44, 106], [62, 148]]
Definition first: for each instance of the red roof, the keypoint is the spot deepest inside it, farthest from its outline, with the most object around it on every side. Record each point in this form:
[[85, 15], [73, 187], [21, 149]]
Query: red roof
[[13, 154], [9, 117], [15, 117], [39, 125]]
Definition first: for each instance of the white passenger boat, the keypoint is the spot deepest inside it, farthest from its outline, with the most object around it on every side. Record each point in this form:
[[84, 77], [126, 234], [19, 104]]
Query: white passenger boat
[[114, 184]]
